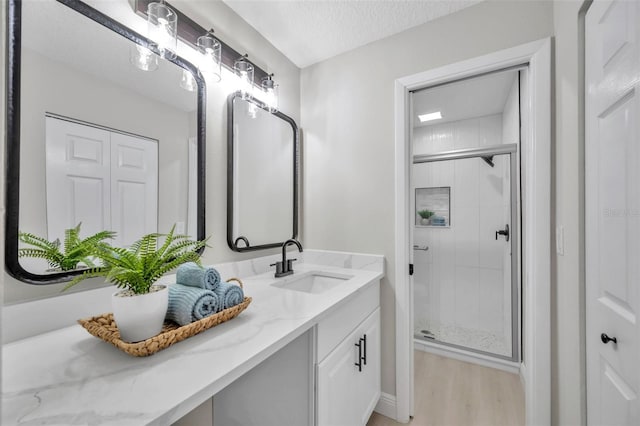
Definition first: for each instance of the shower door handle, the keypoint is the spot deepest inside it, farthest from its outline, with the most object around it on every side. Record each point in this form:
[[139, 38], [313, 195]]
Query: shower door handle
[[504, 232]]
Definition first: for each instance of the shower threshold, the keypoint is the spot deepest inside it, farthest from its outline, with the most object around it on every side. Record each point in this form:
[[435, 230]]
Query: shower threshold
[[465, 338], [466, 354]]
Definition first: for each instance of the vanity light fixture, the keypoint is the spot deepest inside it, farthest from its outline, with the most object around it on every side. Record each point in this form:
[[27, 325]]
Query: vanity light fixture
[[431, 116], [143, 58], [188, 31], [244, 70], [162, 27], [270, 89], [211, 50], [188, 83]]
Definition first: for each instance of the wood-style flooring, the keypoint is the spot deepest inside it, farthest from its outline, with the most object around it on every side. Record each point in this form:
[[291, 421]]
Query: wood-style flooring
[[455, 393]]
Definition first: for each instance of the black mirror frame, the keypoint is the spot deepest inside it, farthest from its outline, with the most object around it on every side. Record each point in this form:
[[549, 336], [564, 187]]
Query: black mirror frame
[[12, 135], [233, 244]]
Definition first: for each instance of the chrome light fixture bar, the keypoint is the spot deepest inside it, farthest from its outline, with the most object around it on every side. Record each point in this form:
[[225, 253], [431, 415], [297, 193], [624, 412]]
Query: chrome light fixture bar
[[189, 31]]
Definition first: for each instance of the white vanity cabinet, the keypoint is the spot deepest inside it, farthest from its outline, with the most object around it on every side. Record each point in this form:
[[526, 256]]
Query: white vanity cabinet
[[348, 369], [290, 359]]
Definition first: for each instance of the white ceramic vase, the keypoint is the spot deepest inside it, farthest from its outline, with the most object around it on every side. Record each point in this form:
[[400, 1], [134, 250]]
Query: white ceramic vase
[[140, 316]]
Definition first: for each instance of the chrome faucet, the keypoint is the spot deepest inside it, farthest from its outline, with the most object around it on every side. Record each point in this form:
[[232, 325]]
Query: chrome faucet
[[284, 268]]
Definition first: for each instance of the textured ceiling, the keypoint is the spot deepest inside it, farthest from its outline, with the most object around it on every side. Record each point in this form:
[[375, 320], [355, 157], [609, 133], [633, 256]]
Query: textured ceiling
[[309, 31]]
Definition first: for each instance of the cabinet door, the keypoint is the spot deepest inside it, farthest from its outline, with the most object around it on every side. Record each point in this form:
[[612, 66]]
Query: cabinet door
[[369, 379], [346, 393]]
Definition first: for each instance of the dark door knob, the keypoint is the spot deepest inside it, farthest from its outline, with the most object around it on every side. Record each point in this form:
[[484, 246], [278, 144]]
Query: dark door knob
[[606, 339], [504, 232]]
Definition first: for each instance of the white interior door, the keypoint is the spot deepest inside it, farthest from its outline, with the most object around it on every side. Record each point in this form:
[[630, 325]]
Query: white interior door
[[78, 177], [134, 187], [612, 176]]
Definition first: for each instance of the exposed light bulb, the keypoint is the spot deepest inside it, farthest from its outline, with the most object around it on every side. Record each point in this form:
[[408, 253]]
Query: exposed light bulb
[[252, 110], [244, 71], [162, 27], [210, 61], [270, 96], [188, 83], [143, 58]]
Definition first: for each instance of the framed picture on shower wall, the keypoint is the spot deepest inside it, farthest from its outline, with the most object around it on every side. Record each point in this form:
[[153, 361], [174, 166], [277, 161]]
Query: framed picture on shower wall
[[433, 206]]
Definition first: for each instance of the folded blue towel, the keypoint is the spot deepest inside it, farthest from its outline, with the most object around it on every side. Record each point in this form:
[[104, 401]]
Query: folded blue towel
[[438, 221], [229, 294], [189, 304], [194, 275]]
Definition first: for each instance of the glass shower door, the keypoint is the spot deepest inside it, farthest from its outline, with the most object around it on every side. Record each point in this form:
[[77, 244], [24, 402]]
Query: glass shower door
[[465, 252]]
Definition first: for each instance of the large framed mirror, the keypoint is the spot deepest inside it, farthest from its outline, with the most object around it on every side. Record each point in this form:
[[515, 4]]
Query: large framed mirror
[[262, 175], [95, 135]]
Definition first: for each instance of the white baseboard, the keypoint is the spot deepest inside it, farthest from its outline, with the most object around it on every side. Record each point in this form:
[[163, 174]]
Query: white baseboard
[[386, 405]]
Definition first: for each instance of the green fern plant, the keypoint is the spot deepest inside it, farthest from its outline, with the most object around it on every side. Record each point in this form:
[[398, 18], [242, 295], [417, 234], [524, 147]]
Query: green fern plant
[[137, 267], [67, 256]]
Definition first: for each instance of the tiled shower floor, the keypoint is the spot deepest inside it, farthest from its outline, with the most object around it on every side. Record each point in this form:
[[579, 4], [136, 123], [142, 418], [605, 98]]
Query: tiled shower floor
[[460, 336]]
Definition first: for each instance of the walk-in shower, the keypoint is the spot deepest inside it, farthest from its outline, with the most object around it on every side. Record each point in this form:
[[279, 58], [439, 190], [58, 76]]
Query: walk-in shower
[[465, 176]]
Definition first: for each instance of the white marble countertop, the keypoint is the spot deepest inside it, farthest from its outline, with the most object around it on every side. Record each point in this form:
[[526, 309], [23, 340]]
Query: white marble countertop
[[68, 377]]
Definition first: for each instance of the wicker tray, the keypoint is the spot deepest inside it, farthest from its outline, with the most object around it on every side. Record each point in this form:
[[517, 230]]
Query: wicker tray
[[104, 327]]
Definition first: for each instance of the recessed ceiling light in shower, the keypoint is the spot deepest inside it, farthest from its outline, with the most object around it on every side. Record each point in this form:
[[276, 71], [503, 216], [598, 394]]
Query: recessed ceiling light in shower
[[431, 116]]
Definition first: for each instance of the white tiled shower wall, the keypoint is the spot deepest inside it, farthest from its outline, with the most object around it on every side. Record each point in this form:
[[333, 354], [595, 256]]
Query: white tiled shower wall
[[462, 283]]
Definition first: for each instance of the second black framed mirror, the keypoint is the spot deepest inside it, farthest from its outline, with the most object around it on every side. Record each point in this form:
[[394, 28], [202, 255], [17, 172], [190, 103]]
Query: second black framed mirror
[[263, 156]]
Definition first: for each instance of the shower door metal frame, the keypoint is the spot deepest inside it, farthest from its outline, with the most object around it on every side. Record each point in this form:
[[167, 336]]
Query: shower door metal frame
[[511, 150]]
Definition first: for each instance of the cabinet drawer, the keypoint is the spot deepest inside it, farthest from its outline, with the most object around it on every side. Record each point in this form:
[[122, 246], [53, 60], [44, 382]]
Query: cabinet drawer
[[340, 323]]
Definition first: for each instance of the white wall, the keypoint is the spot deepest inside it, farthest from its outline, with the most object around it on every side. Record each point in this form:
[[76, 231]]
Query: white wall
[[462, 285], [231, 28], [347, 115]]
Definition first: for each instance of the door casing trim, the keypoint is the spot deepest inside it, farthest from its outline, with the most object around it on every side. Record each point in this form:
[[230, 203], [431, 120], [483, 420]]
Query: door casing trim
[[536, 199]]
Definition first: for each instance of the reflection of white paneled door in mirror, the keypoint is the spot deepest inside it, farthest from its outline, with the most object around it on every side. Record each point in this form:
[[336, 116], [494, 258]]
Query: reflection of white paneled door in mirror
[[78, 178], [134, 187], [106, 180]]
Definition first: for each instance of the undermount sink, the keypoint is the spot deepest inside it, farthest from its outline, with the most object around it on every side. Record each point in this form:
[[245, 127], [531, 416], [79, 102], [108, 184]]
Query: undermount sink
[[312, 282]]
